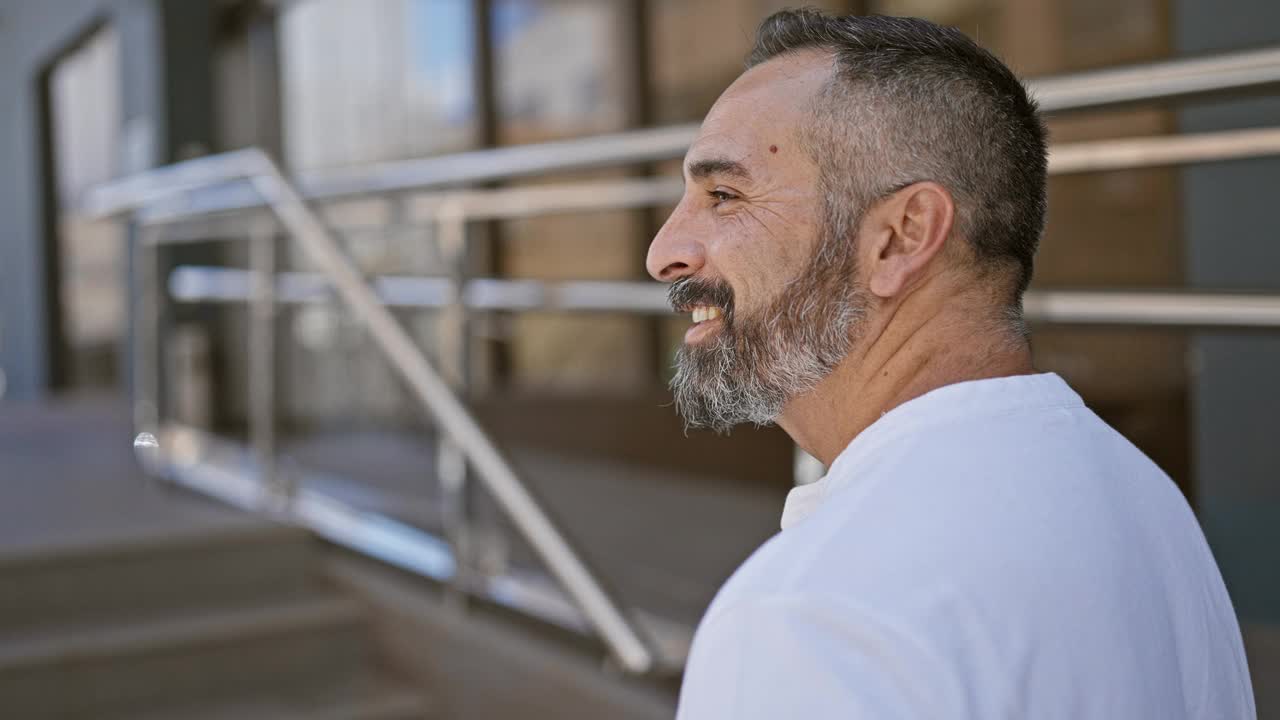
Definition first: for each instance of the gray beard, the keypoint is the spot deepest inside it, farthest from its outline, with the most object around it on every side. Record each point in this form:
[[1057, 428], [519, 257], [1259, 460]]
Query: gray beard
[[756, 365]]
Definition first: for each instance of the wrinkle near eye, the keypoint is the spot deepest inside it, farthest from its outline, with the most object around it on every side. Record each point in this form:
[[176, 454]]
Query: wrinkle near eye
[[768, 207], [751, 212]]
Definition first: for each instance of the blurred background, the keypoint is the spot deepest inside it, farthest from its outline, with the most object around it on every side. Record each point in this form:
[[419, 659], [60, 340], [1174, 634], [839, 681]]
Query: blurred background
[[319, 528]]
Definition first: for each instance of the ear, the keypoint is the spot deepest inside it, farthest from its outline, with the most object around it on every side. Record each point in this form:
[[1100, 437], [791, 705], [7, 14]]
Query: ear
[[907, 230]]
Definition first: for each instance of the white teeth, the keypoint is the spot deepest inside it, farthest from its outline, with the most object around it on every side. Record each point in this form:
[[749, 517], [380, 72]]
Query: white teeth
[[703, 313]]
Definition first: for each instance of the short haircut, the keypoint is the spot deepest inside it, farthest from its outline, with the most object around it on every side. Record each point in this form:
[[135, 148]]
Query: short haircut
[[912, 101]]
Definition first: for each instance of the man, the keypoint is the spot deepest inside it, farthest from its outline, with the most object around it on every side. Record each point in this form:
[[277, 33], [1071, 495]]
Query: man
[[857, 230]]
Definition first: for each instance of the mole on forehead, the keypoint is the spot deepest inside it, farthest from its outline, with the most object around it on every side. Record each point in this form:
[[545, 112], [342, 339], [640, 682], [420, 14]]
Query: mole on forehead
[[773, 148]]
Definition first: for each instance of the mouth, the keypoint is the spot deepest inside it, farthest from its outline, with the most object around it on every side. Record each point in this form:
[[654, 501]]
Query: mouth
[[706, 318], [703, 313]]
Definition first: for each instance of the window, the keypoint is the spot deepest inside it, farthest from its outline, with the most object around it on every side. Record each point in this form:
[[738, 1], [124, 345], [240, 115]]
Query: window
[[84, 116], [371, 80]]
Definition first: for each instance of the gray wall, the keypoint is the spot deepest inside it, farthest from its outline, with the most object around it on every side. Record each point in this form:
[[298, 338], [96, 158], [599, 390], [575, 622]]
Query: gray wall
[[32, 34], [1233, 242]]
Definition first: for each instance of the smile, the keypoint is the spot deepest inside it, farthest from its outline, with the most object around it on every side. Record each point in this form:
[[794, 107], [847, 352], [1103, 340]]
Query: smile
[[706, 319], [703, 313]]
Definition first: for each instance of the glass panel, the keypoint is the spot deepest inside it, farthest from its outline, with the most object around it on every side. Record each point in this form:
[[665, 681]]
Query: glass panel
[[367, 81], [370, 80], [560, 68]]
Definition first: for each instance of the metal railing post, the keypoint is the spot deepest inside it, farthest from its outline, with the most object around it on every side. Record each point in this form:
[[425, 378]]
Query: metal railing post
[[451, 236], [451, 469], [146, 407], [451, 464], [262, 376]]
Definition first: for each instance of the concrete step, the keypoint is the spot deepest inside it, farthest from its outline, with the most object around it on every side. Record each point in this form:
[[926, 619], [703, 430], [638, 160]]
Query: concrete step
[[201, 656], [137, 576]]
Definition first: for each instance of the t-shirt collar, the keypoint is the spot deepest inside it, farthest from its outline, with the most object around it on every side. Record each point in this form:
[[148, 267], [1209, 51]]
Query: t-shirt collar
[[947, 403]]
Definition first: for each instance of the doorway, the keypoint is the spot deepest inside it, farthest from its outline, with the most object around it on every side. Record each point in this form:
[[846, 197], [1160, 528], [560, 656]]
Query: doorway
[[87, 268]]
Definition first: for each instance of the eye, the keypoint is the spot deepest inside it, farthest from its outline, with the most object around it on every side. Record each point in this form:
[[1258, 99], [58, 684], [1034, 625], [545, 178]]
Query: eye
[[720, 196]]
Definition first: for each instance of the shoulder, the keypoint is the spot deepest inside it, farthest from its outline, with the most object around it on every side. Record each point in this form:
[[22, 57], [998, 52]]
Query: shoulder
[[1042, 502], [784, 655]]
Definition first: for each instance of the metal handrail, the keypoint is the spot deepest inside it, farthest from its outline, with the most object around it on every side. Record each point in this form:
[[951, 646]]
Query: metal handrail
[[1178, 79], [165, 200], [619, 633], [1162, 150], [1148, 308], [493, 294]]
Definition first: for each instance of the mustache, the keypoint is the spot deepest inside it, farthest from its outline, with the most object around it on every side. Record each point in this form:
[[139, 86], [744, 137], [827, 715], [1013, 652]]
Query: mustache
[[686, 293]]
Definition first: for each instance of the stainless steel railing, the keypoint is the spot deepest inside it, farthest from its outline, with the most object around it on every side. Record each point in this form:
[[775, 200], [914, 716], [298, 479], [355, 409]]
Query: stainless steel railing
[[601, 610], [218, 195], [457, 207], [1140, 308], [171, 197], [1169, 80]]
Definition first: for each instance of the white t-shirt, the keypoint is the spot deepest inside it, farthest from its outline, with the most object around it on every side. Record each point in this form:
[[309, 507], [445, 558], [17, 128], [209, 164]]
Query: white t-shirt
[[991, 549]]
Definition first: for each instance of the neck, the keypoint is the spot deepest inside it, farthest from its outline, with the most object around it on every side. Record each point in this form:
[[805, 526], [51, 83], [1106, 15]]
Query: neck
[[912, 354]]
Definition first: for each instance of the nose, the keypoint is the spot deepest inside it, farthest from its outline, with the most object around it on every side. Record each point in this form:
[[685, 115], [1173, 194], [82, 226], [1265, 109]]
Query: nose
[[675, 251]]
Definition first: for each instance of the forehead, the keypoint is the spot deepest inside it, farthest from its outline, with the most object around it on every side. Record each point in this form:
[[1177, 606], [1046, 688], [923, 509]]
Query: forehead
[[763, 107]]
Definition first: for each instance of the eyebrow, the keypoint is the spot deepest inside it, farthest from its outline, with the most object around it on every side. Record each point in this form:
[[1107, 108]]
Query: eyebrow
[[703, 169]]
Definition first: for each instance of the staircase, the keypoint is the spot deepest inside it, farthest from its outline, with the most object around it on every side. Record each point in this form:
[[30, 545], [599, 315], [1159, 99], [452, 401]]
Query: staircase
[[209, 624]]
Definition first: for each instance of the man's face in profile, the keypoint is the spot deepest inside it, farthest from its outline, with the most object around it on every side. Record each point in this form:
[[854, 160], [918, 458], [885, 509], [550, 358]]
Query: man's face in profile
[[769, 283]]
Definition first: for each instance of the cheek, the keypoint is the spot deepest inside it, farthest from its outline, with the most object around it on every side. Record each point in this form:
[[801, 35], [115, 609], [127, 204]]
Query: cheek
[[756, 267]]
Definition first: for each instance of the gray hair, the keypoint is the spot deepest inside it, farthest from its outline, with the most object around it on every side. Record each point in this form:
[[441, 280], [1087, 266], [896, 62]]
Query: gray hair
[[913, 101]]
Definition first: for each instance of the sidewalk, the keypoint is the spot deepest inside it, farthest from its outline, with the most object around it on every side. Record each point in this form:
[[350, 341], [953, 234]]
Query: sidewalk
[[68, 476]]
